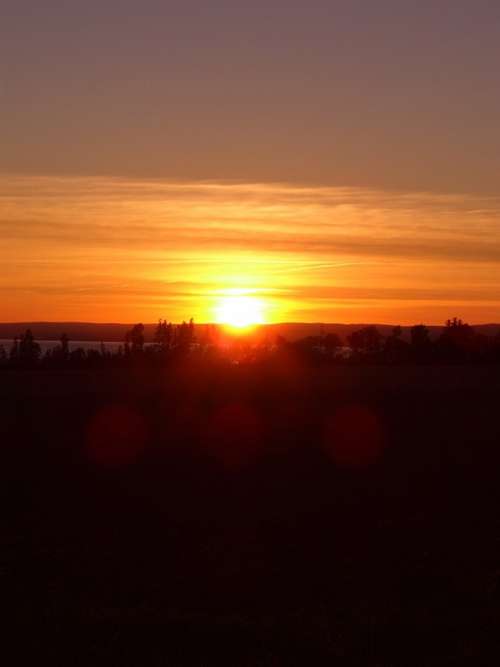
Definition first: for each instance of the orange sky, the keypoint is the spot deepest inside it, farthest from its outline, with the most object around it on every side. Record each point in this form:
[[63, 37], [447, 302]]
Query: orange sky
[[110, 249], [338, 160]]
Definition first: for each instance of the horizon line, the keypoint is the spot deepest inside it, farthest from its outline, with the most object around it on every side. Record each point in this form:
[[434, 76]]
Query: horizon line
[[221, 324]]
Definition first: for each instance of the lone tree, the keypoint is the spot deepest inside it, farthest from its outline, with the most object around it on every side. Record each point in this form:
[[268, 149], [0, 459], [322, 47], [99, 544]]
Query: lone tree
[[134, 339], [395, 348], [419, 336], [65, 346], [14, 350], [28, 351]]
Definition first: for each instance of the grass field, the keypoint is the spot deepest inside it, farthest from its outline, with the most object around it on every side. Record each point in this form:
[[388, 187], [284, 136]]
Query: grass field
[[252, 516]]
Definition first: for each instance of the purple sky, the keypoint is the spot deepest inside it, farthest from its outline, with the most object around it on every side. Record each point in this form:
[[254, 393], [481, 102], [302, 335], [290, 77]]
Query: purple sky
[[386, 93]]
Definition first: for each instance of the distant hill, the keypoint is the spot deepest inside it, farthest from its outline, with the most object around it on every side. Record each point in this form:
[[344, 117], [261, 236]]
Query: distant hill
[[90, 331]]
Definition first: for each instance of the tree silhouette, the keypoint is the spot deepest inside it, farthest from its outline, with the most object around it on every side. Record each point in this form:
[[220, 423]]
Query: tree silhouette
[[134, 339], [367, 340], [65, 345], [457, 343], [164, 335], [421, 345], [29, 350], [420, 336], [396, 349], [61, 353], [332, 343], [397, 332], [78, 356], [185, 335], [14, 351], [458, 340]]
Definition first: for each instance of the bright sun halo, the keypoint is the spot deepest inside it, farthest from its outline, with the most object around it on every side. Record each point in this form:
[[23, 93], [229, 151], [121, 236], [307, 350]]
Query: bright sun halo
[[239, 311]]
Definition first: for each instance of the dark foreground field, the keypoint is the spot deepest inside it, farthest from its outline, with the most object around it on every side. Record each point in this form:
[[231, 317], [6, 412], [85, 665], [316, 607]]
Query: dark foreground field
[[341, 516]]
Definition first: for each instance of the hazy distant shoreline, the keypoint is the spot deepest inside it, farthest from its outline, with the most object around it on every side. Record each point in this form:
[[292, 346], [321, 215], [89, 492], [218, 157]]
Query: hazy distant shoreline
[[114, 333]]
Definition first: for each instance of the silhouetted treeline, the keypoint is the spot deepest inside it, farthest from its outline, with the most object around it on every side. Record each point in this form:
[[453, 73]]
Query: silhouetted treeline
[[458, 343]]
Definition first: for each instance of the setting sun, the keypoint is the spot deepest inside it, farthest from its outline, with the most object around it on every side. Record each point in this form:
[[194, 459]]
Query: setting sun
[[239, 311]]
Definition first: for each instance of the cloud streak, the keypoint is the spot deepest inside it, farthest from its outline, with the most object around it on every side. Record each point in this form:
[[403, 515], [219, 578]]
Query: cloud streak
[[68, 238]]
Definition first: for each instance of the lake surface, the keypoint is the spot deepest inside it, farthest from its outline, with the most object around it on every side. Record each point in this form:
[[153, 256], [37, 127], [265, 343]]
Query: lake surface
[[111, 346]]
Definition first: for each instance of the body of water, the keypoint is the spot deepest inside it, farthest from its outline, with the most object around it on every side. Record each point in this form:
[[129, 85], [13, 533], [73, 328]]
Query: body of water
[[111, 346]]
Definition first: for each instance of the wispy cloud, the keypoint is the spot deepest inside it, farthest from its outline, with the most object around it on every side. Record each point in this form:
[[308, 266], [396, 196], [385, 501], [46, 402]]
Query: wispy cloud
[[146, 241]]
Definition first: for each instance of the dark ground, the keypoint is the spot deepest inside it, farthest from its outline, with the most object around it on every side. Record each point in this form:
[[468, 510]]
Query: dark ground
[[338, 516]]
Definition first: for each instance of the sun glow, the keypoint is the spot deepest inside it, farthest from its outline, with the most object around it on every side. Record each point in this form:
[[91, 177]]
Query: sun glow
[[239, 311]]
